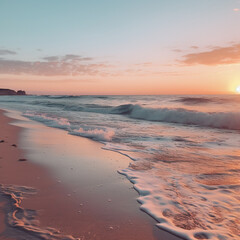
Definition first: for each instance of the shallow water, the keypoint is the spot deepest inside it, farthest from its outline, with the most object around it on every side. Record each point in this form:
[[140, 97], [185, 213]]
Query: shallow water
[[80, 193], [186, 152]]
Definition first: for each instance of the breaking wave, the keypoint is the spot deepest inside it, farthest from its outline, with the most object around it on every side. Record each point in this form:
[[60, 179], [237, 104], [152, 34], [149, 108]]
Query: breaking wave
[[227, 119], [94, 133], [224, 120], [194, 100]]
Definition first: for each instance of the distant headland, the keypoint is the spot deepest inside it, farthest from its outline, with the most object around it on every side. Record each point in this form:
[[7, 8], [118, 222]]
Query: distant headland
[[11, 92]]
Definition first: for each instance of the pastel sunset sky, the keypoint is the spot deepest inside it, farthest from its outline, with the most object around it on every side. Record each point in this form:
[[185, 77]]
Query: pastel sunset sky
[[120, 46]]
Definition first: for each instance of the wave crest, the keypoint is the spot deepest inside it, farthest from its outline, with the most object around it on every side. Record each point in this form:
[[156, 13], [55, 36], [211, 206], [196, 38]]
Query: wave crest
[[224, 120], [194, 100], [96, 134]]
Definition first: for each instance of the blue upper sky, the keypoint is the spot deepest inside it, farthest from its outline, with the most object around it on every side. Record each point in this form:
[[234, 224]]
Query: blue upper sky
[[115, 28]]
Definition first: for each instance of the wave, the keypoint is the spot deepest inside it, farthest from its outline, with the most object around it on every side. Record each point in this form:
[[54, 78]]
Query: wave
[[223, 120], [96, 133], [182, 206], [60, 96], [210, 99], [72, 96], [123, 109], [55, 122], [194, 100], [73, 106]]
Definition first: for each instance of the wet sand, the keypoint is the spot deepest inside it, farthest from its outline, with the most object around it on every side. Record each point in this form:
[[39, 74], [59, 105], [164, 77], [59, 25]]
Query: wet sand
[[79, 191]]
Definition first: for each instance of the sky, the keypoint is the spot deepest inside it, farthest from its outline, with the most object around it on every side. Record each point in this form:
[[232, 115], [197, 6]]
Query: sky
[[120, 46]]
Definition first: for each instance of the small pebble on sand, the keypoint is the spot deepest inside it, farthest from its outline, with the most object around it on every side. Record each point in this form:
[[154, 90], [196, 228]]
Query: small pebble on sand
[[22, 159]]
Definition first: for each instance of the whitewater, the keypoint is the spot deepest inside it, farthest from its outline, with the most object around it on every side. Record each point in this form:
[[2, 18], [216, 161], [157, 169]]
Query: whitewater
[[184, 151]]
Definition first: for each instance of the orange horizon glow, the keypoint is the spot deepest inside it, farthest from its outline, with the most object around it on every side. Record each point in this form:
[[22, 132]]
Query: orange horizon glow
[[215, 71], [118, 86]]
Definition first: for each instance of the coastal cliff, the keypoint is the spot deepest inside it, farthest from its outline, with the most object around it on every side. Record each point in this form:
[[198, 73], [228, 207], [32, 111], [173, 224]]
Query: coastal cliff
[[11, 92]]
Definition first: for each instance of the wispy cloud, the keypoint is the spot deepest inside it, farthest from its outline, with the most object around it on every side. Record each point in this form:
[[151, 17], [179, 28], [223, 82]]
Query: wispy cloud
[[144, 64], [51, 58], [67, 58], [216, 56], [177, 50], [67, 65], [7, 52]]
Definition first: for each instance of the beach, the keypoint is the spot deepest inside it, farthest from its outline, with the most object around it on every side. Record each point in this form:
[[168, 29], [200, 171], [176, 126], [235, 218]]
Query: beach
[[44, 199], [119, 120], [125, 167]]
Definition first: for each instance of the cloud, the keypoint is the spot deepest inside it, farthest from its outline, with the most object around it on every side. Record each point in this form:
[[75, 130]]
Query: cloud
[[51, 58], [66, 58], [236, 9], [72, 57], [145, 64], [216, 56], [194, 47], [177, 50], [68, 65], [7, 52]]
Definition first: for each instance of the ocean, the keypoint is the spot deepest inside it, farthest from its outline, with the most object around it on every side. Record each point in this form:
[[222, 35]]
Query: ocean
[[184, 151]]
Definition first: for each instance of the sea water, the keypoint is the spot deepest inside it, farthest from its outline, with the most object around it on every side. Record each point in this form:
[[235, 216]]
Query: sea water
[[184, 151]]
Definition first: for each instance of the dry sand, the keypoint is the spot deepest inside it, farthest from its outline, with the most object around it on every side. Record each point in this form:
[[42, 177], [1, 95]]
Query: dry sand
[[110, 213]]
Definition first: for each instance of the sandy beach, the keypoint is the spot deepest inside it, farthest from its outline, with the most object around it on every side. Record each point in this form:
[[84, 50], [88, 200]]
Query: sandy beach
[[80, 196]]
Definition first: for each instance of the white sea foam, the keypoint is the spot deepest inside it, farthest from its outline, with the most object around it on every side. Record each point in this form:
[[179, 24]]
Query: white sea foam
[[184, 207], [225, 120], [96, 133], [57, 122]]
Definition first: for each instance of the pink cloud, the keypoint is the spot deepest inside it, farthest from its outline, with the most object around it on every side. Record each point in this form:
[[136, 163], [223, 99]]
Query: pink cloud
[[194, 47], [68, 65], [177, 50], [217, 56]]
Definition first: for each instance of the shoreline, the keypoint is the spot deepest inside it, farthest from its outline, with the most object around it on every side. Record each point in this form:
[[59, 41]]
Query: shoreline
[[57, 200], [19, 182]]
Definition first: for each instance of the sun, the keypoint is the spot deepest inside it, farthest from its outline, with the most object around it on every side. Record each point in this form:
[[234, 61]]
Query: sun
[[238, 89]]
